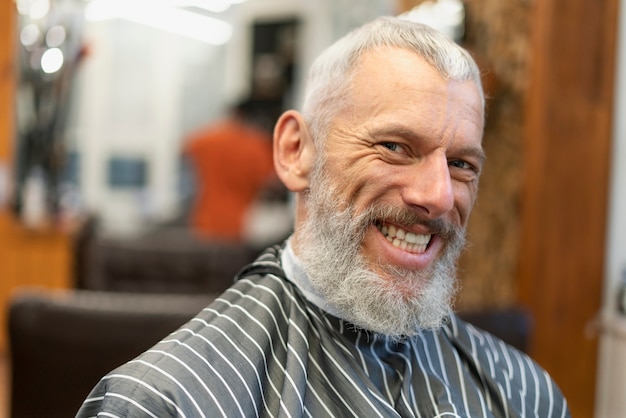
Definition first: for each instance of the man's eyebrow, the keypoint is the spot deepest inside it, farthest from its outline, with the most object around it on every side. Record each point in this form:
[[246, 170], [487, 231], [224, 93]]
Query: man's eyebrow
[[396, 130]]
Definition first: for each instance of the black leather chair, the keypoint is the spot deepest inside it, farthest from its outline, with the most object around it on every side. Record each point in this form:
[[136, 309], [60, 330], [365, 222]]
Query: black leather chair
[[168, 260], [513, 325], [62, 342]]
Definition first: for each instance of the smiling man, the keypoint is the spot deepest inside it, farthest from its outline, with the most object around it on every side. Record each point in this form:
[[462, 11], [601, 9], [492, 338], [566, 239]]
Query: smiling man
[[386, 199], [352, 315]]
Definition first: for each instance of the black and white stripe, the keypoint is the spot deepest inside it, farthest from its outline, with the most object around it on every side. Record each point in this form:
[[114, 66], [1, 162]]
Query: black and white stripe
[[263, 350]]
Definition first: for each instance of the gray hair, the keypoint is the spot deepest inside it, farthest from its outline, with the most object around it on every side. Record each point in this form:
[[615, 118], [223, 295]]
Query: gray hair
[[330, 75]]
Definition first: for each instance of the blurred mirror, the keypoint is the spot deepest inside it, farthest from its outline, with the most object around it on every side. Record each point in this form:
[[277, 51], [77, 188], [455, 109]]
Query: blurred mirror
[[109, 90]]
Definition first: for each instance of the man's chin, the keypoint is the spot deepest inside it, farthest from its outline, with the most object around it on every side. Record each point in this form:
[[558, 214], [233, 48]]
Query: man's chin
[[404, 283], [396, 304]]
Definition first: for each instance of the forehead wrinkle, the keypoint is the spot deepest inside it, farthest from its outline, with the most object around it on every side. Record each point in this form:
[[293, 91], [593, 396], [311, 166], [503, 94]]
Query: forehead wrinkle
[[465, 95]]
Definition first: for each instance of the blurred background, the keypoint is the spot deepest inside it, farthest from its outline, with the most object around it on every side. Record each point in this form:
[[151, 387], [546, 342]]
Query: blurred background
[[100, 98]]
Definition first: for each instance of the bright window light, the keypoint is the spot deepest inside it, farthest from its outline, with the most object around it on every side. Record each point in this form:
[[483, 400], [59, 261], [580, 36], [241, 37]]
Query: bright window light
[[159, 15], [215, 6]]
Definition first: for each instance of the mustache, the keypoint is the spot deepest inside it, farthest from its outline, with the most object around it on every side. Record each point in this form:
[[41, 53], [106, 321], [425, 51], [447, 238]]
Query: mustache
[[406, 216]]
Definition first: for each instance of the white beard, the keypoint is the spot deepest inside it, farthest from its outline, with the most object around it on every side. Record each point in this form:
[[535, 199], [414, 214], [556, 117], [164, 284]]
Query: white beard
[[329, 246]]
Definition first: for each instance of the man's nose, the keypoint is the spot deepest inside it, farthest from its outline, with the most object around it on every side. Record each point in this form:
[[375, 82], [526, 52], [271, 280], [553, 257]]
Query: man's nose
[[429, 187]]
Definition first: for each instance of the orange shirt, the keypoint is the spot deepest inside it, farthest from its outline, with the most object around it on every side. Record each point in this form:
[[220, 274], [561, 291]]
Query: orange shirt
[[232, 163]]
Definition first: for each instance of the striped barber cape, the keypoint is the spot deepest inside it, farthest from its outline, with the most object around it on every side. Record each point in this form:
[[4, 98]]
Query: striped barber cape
[[263, 350]]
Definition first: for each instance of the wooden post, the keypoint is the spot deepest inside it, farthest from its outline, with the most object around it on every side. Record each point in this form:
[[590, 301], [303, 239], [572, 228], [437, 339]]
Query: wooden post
[[567, 147]]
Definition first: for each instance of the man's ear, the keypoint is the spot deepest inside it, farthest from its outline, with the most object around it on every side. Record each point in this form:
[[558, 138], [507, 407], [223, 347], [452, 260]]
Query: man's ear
[[294, 151]]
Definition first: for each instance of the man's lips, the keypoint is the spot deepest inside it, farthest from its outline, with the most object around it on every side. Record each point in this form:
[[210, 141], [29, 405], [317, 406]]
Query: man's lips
[[404, 240]]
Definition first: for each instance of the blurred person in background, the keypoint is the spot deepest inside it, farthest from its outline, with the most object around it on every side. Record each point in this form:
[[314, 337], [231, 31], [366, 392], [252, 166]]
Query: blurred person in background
[[352, 316], [231, 167]]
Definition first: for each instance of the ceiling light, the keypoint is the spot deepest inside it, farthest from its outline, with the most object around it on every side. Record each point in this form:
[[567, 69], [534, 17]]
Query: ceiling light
[[52, 60]]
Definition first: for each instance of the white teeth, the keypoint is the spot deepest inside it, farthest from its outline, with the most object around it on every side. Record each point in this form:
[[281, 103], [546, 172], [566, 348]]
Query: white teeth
[[417, 239], [408, 241]]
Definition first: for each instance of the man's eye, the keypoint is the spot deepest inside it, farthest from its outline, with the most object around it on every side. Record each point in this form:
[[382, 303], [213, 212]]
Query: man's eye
[[461, 164], [390, 145]]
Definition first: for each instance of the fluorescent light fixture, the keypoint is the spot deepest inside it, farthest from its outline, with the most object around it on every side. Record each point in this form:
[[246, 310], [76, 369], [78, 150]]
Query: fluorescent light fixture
[[161, 15]]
